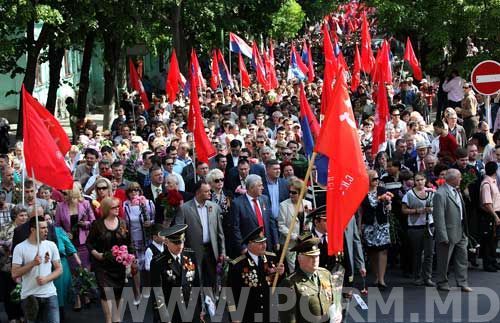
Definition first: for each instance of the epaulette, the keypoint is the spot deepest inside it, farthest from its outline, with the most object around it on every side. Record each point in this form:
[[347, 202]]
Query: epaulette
[[269, 253], [188, 250], [237, 260]]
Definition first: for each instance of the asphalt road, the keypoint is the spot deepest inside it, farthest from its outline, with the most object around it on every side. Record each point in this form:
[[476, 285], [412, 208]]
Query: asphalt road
[[402, 302]]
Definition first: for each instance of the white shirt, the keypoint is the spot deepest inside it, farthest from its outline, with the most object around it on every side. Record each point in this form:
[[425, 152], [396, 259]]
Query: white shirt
[[203, 213], [148, 255], [454, 88], [255, 258], [24, 253], [155, 192]]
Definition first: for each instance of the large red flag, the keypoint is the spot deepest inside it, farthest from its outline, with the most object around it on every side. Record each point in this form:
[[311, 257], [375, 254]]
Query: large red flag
[[330, 69], [367, 59], [198, 76], [273, 80], [382, 71], [215, 79], [347, 176], [411, 58], [204, 148], [259, 67], [173, 79], [43, 157], [245, 79], [356, 72], [137, 84], [381, 115]]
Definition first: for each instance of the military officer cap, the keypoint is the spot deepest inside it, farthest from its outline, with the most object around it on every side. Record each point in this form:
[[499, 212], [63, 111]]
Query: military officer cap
[[175, 233], [308, 247], [318, 213], [256, 235], [304, 237]]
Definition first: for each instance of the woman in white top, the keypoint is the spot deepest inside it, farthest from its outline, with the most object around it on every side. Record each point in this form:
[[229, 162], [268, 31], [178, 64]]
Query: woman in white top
[[303, 223], [417, 205]]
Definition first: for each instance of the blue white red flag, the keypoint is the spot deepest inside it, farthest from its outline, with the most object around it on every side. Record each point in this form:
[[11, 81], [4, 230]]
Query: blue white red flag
[[224, 72], [297, 67]]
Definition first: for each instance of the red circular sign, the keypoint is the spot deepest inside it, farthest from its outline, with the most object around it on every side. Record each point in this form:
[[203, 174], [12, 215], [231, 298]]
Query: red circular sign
[[485, 77]]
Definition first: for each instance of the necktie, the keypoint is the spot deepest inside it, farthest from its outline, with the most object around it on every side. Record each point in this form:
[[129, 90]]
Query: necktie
[[422, 165], [260, 220], [323, 239]]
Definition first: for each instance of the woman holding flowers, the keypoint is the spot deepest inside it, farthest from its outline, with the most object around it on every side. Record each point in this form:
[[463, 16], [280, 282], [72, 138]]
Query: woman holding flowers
[[106, 233], [374, 213], [139, 216]]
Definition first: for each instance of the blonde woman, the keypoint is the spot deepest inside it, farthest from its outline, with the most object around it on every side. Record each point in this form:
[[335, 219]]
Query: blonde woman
[[456, 130], [75, 216], [303, 224]]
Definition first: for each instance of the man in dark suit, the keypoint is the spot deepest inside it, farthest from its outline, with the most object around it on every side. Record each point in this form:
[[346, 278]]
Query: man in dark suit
[[204, 235], [235, 178], [450, 231], [250, 211], [234, 156], [275, 188], [201, 172], [417, 163], [156, 187]]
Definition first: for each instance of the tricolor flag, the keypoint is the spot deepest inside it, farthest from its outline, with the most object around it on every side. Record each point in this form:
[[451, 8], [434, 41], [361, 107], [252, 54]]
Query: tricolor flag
[[136, 84], [238, 45], [259, 67], [297, 68], [223, 71], [307, 59]]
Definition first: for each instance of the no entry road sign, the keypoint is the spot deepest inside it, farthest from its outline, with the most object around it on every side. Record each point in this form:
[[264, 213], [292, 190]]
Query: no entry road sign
[[486, 77]]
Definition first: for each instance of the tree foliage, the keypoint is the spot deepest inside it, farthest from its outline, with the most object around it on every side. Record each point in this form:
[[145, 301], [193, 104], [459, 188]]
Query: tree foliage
[[288, 20], [437, 24]]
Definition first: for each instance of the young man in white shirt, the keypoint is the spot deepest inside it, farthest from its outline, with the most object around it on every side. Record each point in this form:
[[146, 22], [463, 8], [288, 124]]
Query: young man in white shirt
[[38, 265]]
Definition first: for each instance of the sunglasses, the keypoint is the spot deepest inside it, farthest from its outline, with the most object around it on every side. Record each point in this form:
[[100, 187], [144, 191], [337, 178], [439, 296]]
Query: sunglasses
[[218, 180], [287, 154], [169, 164], [102, 187], [260, 142], [396, 115], [135, 190], [115, 207], [293, 192], [375, 179]]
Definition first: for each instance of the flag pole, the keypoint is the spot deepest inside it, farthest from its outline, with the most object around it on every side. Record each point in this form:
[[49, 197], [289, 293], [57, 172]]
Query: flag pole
[[37, 225], [401, 71], [294, 219]]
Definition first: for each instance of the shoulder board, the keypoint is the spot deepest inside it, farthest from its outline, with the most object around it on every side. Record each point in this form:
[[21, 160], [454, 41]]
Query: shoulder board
[[269, 253], [188, 250], [237, 260]]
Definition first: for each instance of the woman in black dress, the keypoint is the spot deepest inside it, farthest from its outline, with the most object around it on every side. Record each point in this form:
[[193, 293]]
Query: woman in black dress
[[106, 232]]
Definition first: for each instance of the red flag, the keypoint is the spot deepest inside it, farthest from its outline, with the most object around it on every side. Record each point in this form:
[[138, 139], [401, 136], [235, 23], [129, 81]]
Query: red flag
[[137, 84], [259, 67], [215, 79], [356, 72], [310, 65], [273, 80], [367, 59], [382, 71], [245, 79], [173, 79], [330, 68], [198, 76], [305, 110], [204, 148], [411, 58], [347, 176], [42, 154], [381, 115]]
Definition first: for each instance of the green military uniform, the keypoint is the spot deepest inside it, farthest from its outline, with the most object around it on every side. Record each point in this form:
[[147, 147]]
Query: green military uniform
[[318, 288]]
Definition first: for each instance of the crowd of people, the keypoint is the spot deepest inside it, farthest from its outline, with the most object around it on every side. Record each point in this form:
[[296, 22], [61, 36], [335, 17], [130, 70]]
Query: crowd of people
[[433, 198]]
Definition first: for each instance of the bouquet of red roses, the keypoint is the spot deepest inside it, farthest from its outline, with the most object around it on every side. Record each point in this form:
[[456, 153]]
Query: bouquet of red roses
[[170, 201]]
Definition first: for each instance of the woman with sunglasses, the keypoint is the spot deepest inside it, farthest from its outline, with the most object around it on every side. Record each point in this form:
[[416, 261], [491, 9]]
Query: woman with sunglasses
[[303, 223], [220, 196], [139, 216], [108, 231], [374, 213], [75, 216], [103, 189]]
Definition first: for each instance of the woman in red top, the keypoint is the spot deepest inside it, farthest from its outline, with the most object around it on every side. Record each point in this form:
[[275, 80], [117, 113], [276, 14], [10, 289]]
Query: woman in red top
[[447, 143], [103, 189]]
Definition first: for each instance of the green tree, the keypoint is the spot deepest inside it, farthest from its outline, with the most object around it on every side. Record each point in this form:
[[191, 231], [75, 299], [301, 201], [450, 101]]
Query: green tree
[[288, 20]]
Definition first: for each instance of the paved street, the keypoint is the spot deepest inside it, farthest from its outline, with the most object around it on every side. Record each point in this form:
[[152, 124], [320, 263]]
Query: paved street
[[410, 303]]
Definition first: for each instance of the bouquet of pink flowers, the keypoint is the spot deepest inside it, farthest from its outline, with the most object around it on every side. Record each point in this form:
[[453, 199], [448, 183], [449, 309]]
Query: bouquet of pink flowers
[[139, 200], [121, 256]]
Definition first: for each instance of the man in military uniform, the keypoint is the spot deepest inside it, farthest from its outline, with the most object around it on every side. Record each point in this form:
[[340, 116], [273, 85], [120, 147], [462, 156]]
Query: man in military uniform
[[176, 272], [312, 282], [256, 270], [351, 258]]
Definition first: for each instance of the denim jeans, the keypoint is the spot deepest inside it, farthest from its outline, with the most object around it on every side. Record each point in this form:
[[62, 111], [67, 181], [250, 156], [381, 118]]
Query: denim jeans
[[48, 310]]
